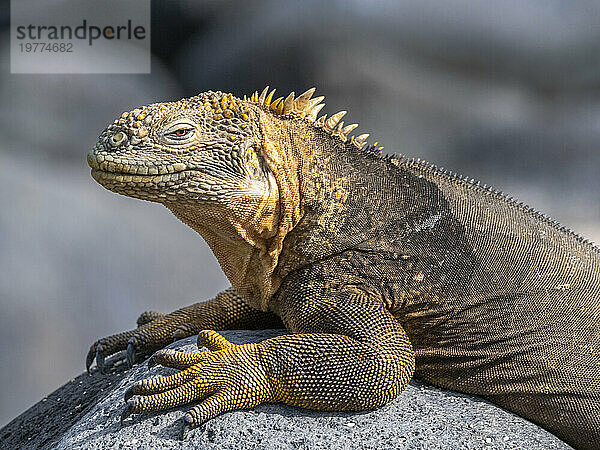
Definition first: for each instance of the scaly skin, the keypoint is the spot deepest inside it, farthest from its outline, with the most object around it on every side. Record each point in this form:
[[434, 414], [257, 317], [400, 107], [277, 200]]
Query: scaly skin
[[379, 267]]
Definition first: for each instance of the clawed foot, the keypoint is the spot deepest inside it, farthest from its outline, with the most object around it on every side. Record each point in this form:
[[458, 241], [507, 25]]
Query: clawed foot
[[225, 378], [155, 330]]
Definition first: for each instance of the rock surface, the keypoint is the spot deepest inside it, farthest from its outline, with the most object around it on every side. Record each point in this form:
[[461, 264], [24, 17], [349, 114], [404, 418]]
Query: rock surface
[[85, 412]]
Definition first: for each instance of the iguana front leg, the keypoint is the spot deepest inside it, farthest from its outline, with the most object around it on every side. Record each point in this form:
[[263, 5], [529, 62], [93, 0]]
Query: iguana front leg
[[348, 353], [156, 330]]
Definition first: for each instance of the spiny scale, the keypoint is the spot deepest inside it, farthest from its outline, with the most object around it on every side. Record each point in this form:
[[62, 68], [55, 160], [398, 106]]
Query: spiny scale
[[333, 120], [306, 107]]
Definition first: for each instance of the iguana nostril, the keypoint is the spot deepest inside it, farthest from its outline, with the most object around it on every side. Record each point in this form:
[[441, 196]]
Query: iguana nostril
[[117, 139]]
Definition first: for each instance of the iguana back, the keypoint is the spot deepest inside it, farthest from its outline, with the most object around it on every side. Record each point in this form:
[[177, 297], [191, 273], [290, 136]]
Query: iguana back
[[524, 330]]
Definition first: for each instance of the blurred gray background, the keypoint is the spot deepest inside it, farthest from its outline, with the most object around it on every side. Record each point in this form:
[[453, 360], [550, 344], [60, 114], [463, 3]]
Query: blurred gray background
[[507, 92]]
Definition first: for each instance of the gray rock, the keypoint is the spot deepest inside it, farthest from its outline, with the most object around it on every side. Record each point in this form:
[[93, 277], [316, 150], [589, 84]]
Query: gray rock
[[86, 415]]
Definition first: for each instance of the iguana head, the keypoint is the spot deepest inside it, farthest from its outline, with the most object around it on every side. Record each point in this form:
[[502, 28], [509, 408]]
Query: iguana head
[[228, 167], [200, 149]]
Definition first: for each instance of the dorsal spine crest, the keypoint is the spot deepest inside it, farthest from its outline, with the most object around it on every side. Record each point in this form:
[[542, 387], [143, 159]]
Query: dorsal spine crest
[[306, 107]]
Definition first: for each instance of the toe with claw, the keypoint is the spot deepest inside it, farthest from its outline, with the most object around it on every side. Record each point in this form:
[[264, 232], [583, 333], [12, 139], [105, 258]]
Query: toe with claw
[[125, 414], [226, 377], [187, 427], [155, 330]]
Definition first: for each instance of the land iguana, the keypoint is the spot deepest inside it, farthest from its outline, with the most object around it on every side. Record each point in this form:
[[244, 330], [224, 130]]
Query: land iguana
[[380, 267]]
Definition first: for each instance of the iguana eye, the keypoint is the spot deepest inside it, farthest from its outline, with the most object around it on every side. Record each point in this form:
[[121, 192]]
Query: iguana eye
[[179, 133], [182, 132]]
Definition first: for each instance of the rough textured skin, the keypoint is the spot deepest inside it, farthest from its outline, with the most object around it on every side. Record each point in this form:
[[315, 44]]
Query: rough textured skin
[[379, 267]]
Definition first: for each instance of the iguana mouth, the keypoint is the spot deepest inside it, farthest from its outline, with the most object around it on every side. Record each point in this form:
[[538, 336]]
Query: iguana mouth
[[123, 177], [116, 166]]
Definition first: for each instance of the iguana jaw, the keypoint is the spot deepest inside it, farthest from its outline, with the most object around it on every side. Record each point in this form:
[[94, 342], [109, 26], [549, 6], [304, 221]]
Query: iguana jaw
[[107, 163], [146, 179], [143, 187]]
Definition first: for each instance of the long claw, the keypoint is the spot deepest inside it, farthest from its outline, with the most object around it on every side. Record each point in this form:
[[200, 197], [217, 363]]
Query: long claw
[[126, 413], [89, 360], [131, 354], [100, 360], [185, 431], [129, 392]]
